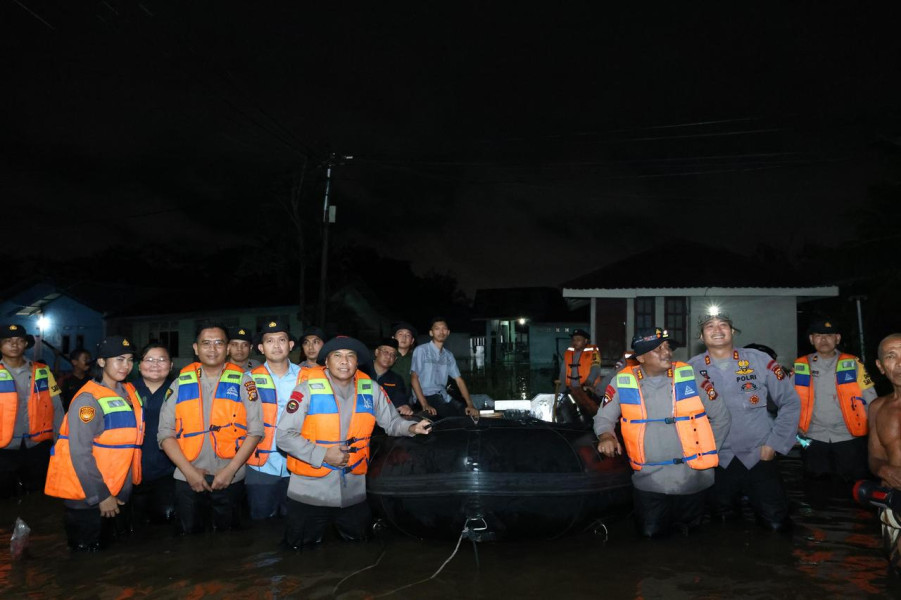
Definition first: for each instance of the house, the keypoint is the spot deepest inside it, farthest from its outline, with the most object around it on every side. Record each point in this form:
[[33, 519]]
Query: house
[[529, 324], [659, 287], [55, 316]]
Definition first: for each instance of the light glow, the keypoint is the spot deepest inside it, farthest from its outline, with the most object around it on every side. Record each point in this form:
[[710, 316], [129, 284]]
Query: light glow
[[43, 323]]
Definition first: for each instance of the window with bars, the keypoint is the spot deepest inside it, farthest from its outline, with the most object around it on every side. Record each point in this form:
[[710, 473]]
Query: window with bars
[[676, 316], [644, 313]]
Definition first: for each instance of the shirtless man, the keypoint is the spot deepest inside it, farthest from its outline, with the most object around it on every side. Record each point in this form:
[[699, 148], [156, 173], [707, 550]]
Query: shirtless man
[[885, 440]]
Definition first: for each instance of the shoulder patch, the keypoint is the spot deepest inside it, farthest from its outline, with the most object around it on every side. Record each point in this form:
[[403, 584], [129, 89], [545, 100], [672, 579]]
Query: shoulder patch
[[292, 406], [251, 388], [777, 370], [297, 396], [86, 414], [54, 389], [168, 393]]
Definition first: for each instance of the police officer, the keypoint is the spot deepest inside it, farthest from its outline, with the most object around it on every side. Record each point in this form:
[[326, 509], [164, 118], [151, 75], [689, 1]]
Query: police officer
[[240, 343], [835, 391], [672, 445], [30, 413], [325, 431], [744, 379], [274, 380], [97, 458], [219, 423]]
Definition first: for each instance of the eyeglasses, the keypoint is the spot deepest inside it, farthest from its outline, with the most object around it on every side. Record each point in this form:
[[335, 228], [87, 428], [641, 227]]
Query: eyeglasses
[[151, 361], [213, 343]]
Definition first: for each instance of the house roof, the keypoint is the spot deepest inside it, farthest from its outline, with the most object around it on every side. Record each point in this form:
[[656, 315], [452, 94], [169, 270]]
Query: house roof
[[687, 268]]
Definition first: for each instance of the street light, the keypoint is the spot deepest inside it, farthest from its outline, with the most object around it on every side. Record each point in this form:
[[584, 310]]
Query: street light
[[43, 324]]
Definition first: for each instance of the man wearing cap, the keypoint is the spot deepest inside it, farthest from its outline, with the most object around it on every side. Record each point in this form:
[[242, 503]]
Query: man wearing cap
[[30, 414], [239, 345], [311, 342], [744, 379], [274, 380], [325, 431], [432, 365], [581, 373], [391, 382], [209, 427], [835, 391], [672, 431], [405, 334]]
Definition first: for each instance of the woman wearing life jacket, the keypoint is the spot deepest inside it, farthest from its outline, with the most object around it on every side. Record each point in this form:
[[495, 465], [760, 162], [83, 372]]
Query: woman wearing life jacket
[[97, 457]]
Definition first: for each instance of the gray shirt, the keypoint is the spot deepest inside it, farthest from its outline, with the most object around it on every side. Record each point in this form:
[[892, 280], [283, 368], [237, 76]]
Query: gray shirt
[[827, 423], [661, 441], [744, 382], [81, 450], [334, 489], [22, 379], [433, 366], [207, 460]]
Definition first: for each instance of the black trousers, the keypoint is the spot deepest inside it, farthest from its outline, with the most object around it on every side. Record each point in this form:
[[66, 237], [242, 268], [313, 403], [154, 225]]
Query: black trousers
[[25, 467], [154, 501], [454, 408], [87, 531], [305, 524], [658, 514], [847, 460], [763, 486], [219, 509]]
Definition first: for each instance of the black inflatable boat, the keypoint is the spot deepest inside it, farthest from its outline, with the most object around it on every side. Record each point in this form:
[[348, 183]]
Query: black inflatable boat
[[507, 479]]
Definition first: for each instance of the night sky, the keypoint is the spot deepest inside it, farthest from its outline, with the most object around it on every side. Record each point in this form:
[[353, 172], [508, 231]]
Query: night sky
[[508, 145]]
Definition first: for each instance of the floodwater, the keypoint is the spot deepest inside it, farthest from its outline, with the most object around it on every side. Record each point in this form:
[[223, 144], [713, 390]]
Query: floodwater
[[834, 551]]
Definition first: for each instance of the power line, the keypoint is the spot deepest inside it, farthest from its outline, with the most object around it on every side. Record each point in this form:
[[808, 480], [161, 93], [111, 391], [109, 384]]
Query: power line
[[35, 15]]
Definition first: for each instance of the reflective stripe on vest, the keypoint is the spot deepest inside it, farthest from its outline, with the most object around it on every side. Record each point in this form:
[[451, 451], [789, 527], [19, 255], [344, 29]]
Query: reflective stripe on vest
[[589, 357], [228, 417], [689, 417], [850, 396], [116, 450], [40, 405], [322, 426], [268, 396]]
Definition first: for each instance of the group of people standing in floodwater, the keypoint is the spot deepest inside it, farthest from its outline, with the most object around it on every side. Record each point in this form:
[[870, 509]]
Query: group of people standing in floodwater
[[292, 440]]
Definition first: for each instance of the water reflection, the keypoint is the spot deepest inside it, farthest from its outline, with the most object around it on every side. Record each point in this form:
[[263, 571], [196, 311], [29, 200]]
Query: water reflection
[[833, 552]]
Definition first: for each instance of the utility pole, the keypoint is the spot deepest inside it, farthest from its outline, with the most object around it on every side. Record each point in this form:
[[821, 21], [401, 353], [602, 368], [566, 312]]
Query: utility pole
[[857, 299], [328, 217]]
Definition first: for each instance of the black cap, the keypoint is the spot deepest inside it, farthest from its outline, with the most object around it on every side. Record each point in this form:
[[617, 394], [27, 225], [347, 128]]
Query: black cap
[[343, 342], [822, 326], [312, 330], [648, 338], [581, 332], [11, 330], [272, 327], [115, 345], [404, 325], [240, 333], [390, 342]]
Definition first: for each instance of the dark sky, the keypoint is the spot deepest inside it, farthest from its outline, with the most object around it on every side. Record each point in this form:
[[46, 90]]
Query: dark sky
[[509, 145]]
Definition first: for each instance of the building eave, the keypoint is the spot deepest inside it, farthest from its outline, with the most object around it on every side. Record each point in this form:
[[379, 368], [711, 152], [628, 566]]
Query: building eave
[[810, 292]]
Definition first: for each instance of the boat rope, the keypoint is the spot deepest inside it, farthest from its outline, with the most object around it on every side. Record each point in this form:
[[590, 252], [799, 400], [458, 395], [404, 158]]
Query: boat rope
[[466, 530], [357, 572]]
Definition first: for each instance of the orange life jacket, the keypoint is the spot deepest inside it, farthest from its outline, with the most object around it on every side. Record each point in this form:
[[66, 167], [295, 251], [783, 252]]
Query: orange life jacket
[[590, 356], [228, 419], [117, 450], [306, 373], [322, 426], [850, 398], [40, 404], [689, 417], [269, 403]]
